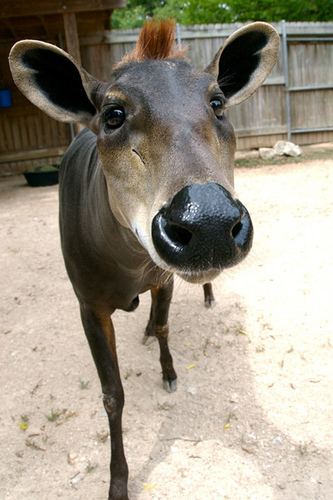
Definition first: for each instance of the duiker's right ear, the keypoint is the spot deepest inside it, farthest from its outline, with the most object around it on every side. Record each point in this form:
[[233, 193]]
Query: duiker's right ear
[[52, 80], [245, 61]]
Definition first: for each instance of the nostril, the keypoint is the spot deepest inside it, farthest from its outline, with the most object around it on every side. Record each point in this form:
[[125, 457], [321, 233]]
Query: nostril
[[178, 234], [236, 229]]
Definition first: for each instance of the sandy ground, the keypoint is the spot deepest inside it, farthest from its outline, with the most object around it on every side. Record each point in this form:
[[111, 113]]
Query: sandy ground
[[252, 417]]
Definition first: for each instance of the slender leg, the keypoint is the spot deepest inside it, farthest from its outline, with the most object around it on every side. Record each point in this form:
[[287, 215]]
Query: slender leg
[[100, 334], [209, 296], [158, 326]]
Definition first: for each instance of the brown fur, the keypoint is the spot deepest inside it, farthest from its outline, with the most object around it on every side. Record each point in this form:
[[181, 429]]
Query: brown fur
[[156, 41]]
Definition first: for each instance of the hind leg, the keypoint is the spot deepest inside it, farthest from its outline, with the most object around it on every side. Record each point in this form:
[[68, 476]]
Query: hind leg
[[209, 296], [158, 327]]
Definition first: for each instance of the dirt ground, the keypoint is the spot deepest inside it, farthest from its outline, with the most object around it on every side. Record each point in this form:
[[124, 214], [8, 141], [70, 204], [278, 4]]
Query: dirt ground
[[252, 417]]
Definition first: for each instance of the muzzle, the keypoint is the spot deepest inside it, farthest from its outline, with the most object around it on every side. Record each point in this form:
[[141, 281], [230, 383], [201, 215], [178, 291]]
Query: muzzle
[[202, 228]]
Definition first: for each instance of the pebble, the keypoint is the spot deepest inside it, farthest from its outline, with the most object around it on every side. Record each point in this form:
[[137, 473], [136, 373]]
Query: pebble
[[277, 440], [34, 431], [234, 398], [164, 405], [249, 442], [74, 480], [192, 390], [71, 458]]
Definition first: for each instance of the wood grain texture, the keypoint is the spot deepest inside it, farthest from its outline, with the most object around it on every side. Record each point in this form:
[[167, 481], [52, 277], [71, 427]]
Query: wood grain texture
[[71, 36], [22, 8]]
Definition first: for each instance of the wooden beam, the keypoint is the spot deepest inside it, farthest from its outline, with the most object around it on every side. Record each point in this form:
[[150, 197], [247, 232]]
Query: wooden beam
[[32, 154], [22, 8], [71, 36]]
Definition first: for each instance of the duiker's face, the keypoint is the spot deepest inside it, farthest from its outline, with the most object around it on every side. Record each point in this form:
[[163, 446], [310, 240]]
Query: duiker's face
[[157, 135], [165, 144]]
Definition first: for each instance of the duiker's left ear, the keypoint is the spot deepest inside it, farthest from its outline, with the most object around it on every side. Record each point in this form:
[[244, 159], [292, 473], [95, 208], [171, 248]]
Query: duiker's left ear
[[53, 81], [245, 61]]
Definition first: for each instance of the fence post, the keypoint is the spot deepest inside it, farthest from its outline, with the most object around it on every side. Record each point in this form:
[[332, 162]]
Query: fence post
[[285, 64], [178, 35]]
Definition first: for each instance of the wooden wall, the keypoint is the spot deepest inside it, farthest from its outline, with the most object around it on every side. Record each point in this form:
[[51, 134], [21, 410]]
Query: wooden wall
[[27, 136]]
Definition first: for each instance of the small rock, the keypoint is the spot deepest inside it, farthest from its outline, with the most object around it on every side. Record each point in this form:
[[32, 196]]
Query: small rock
[[192, 391], [249, 442], [102, 436], [277, 440], [267, 153], [234, 398], [71, 458], [287, 149], [34, 432], [164, 403], [74, 480]]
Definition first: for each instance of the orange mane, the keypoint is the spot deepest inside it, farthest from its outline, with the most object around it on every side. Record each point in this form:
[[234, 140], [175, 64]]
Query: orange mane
[[156, 41]]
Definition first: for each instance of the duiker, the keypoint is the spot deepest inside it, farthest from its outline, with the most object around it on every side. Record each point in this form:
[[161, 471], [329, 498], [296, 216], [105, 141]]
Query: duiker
[[147, 190]]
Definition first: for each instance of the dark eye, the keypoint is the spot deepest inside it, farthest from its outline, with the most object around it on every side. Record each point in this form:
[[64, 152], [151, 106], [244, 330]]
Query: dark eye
[[114, 118], [217, 105]]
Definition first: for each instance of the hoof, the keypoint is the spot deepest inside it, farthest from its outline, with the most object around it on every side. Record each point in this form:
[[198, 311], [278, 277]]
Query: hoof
[[118, 491], [210, 302], [170, 385]]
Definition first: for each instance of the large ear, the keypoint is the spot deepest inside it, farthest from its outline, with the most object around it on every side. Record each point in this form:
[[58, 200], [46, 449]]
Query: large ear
[[51, 79], [245, 61]]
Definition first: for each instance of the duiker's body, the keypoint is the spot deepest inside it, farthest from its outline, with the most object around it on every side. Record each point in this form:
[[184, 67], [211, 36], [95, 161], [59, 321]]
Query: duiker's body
[[149, 191], [115, 271]]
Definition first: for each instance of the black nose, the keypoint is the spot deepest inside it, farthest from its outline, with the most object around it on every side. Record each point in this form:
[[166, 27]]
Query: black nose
[[202, 228]]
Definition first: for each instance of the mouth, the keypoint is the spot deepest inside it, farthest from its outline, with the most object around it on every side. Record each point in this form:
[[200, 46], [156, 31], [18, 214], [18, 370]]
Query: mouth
[[199, 277], [191, 276]]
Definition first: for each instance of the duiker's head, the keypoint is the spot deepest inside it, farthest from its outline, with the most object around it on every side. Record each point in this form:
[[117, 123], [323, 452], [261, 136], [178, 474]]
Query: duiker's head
[[165, 144]]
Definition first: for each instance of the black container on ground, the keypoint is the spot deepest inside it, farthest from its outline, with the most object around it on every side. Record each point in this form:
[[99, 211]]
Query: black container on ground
[[42, 176]]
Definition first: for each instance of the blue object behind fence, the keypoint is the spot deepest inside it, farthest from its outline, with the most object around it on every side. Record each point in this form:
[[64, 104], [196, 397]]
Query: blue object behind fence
[[5, 98]]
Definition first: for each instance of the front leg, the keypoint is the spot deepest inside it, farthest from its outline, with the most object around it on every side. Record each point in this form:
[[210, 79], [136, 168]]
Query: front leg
[[158, 327], [100, 334]]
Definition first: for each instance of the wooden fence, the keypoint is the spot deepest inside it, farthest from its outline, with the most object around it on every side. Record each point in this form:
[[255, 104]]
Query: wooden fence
[[28, 137], [295, 102]]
